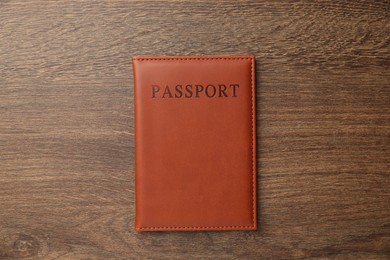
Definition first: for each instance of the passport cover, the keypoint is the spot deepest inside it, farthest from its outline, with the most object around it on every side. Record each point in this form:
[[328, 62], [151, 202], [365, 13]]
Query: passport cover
[[195, 141]]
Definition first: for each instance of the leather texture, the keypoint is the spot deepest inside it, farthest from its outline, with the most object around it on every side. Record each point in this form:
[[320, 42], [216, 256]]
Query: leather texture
[[195, 140]]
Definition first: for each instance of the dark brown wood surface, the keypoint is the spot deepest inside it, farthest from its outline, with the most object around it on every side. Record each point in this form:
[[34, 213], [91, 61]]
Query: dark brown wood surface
[[67, 132]]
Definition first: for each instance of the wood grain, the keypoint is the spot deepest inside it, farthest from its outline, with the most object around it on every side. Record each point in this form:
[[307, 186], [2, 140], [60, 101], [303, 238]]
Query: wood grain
[[66, 126]]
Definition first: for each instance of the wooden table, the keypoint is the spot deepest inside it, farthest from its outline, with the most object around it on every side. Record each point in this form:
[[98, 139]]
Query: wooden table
[[67, 131]]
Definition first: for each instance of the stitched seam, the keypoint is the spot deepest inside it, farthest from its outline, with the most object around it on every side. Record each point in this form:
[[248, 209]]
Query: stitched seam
[[135, 131], [253, 141], [217, 227], [195, 58], [253, 147]]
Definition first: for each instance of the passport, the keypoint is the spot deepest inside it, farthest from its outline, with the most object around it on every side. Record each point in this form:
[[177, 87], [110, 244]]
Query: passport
[[195, 143]]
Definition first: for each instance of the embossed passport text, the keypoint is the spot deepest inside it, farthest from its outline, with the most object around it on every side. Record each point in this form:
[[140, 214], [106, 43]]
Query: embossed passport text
[[195, 141]]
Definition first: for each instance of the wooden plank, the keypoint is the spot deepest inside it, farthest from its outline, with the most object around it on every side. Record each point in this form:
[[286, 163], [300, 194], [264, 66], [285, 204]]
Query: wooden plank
[[66, 125]]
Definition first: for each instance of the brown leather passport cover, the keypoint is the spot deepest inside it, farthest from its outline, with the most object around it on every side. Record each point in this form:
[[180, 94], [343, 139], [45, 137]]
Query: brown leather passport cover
[[195, 143]]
